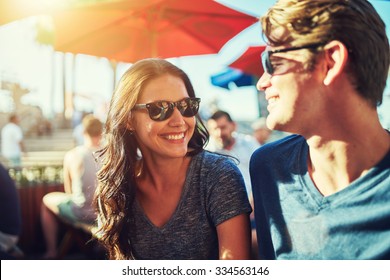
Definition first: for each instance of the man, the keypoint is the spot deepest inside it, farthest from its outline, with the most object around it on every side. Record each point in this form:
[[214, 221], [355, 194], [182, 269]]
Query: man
[[260, 131], [75, 204], [323, 193], [225, 140], [12, 142]]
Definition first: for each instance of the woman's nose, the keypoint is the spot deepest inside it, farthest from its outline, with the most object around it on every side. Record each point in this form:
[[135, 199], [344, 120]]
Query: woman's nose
[[176, 119]]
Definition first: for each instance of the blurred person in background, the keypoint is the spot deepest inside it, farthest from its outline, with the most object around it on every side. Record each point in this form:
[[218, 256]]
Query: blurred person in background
[[225, 139], [260, 130], [80, 179], [12, 144], [78, 130]]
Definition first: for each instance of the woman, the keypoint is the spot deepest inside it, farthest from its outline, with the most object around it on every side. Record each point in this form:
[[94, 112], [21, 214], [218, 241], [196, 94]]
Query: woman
[[161, 196]]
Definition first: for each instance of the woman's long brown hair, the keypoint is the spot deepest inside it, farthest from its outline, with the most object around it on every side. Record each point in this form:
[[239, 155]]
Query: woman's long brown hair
[[116, 189]]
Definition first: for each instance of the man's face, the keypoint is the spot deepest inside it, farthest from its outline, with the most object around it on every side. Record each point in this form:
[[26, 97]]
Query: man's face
[[221, 130], [293, 92]]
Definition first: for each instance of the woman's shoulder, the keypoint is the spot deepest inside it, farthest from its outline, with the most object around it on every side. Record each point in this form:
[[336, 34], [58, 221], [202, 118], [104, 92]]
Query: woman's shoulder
[[210, 169], [210, 159], [210, 165]]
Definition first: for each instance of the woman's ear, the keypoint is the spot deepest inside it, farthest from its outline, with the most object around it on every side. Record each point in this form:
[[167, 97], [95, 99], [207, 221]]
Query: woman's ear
[[129, 127], [129, 123], [336, 57]]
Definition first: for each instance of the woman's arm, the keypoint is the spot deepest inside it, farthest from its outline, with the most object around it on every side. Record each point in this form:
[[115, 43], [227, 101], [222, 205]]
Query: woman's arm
[[234, 238]]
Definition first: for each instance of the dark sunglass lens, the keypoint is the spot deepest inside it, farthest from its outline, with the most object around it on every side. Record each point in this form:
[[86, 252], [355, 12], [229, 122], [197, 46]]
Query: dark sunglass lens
[[160, 111], [191, 108]]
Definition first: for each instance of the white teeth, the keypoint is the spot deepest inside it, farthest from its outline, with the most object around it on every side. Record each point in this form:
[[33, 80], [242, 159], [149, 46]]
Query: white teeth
[[272, 100], [175, 136]]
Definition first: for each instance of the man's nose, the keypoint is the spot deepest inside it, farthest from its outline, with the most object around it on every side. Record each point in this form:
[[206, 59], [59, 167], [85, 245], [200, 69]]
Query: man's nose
[[263, 82]]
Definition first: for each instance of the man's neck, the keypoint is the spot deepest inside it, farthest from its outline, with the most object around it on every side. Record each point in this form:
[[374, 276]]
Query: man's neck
[[335, 164]]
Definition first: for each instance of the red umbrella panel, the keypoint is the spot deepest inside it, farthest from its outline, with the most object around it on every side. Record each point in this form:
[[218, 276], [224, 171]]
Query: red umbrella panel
[[131, 30], [250, 61]]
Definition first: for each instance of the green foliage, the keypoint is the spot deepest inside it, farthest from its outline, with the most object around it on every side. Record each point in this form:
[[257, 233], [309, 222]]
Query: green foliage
[[37, 175], [45, 30]]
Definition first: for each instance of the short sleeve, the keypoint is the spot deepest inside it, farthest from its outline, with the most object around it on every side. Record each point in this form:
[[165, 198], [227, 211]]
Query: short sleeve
[[226, 196]]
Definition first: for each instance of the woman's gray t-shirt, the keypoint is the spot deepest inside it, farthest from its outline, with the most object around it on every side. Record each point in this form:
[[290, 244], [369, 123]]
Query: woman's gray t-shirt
[[214, 191]]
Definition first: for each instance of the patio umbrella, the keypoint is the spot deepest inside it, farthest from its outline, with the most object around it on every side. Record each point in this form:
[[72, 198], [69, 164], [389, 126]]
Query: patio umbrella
[[250, 61], [131, 30], [232, 76]]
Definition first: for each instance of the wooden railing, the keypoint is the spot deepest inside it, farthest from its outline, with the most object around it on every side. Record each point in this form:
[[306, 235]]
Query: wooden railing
[[33, 182], [31, 239]]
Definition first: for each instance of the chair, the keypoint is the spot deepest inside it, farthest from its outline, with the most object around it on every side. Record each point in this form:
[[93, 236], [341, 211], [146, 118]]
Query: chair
[[79, 234]]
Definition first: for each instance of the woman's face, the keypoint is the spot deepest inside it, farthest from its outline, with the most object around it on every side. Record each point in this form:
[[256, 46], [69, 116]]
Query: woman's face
[[168, 138]]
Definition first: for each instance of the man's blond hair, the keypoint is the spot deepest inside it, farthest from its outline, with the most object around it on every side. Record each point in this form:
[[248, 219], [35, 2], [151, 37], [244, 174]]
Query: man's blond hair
[[92, 126]]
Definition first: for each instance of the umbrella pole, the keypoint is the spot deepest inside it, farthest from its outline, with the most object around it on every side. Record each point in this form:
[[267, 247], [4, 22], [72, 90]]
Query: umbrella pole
[[64, 90], [113, 65]]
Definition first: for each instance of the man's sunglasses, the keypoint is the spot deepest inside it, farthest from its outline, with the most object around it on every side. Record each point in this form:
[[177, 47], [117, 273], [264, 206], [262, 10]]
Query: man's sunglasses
[[266, 56], [162, 110]]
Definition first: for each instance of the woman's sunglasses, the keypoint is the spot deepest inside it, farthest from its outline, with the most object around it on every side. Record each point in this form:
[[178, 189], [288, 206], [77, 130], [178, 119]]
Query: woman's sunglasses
[[162, 110], [266, 56]]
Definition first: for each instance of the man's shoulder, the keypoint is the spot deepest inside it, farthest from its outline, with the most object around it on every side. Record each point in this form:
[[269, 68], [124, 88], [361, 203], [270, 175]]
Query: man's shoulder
[[75, 153], [281, 146], [11, 128], [8, 126]]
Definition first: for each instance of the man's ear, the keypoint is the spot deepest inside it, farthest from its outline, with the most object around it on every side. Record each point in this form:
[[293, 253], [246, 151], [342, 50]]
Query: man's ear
[[336, 57]]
